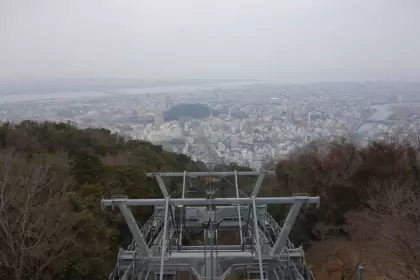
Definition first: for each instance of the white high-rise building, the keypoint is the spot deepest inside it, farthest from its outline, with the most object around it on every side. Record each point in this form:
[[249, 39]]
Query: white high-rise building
[[159, 119], [185, 148]]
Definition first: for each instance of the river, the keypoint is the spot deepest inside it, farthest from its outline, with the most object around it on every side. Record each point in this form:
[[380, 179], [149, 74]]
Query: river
[[12, 98], [383, 112]]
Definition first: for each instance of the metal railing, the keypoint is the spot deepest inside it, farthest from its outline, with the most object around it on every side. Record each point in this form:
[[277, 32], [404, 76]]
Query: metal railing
[[267, 226]]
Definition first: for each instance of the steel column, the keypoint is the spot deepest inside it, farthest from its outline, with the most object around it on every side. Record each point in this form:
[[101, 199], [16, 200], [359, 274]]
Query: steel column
[[258, 184], [257, 235], [239, 207], [287, 227], [274, 264], [135, 230], [165, 229], [162, 186], [214, 201], [199, 174], [182, 211]]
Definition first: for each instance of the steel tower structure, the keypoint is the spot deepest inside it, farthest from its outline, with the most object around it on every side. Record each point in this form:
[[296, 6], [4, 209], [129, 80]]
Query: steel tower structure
[[159, 249]]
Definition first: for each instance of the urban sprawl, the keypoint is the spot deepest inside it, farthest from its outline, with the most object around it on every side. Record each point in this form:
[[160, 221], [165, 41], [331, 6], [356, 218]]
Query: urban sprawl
[[249, 124]]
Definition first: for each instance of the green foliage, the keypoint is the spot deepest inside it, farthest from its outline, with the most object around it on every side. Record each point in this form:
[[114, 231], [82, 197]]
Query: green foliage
[[102, 164], [196, 111]]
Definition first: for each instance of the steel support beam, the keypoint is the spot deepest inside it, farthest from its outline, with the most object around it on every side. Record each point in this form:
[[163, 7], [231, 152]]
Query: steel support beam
[[162, 186], [258, 184], [171, 263], [256, 258], [149, 275], [247, 224], [215, 201], [257, 235], [182, 212], [135, 230], [277, 276], [287, 227], [226, 251], [199, 174], [183, 184], [165, 229], [239, 208]]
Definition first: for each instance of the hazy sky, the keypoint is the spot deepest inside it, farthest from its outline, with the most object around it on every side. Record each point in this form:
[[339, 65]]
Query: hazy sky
[[286, 40]]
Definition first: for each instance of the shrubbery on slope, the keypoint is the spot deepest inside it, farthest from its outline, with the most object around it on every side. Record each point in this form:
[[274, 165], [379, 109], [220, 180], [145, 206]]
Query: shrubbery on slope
[[52, 178], [53, 175], [368, 195]]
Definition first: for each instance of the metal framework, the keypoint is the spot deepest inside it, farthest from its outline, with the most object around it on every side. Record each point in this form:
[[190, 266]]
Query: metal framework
[[160, 249]]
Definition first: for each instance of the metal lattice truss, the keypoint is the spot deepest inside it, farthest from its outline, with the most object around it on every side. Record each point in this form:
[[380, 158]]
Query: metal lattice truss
[[159, 249]]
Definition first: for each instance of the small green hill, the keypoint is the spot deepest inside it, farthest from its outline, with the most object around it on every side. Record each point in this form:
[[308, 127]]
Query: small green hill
[[195, 111]]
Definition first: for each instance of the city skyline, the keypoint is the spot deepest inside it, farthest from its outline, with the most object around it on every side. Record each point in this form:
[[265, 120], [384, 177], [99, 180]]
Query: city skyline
[[248, 124]]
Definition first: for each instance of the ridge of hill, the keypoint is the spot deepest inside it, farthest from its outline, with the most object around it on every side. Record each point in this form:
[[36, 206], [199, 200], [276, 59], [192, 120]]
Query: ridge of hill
[[52, 178]]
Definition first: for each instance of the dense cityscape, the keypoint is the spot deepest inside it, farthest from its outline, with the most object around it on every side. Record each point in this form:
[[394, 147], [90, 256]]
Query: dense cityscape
[[249, 123]]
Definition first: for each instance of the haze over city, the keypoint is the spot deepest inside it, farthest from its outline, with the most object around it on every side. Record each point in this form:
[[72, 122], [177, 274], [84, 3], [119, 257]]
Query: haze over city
[[268, 139], [286, 41]]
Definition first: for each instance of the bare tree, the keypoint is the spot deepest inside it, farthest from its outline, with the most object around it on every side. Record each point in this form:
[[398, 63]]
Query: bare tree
[[389, 231], [347, 262], [35, 215]]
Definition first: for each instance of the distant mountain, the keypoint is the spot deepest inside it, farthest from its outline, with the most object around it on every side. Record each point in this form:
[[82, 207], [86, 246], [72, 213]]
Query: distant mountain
[[196, 111]]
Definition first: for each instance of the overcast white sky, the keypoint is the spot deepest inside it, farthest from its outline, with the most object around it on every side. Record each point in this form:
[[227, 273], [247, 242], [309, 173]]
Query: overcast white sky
[[285, 40]]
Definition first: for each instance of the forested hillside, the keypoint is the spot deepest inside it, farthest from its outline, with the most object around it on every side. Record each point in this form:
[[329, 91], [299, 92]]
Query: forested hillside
[[369, 211], [52, 178]]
